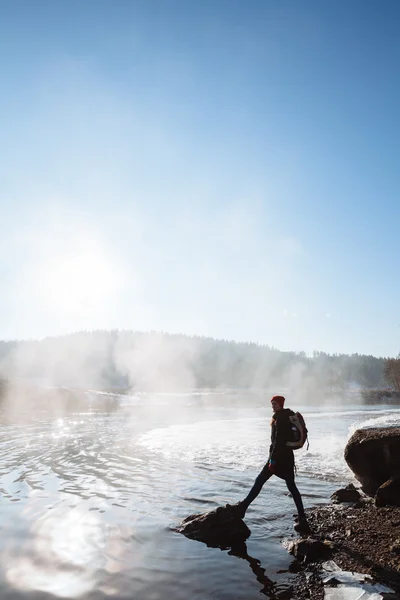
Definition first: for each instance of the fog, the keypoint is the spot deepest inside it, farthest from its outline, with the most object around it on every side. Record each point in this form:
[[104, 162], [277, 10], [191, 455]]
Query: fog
[[137, 363]]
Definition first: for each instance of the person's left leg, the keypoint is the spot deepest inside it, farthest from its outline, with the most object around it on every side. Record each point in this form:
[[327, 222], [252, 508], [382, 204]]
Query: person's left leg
[[301, 526], [292, 487]]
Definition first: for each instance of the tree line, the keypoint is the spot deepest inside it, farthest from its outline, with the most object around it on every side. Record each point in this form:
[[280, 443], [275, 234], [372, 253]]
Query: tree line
[[392, 372], [153, 361]]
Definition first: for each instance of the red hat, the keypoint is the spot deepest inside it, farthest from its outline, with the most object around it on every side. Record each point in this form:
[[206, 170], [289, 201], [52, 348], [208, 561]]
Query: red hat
[[279, 399]]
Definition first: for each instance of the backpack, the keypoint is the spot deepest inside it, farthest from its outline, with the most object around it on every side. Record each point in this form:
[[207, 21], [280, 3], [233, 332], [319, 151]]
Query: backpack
[[299, 431]]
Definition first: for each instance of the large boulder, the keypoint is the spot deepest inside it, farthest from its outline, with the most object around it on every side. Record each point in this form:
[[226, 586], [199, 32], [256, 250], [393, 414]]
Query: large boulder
[[221, 527], [374, 457]]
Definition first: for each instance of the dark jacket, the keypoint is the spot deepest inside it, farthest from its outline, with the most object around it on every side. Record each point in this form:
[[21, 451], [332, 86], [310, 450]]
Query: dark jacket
[[280, 434]]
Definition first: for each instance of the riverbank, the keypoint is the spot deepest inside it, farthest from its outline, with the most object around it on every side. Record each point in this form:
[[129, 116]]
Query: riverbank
[[364, 539]]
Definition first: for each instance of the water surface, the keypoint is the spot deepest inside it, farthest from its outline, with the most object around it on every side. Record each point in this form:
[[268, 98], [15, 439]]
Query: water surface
[[89, 500]]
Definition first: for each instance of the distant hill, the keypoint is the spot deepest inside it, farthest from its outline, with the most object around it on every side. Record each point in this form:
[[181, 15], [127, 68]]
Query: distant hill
[[164, 362]]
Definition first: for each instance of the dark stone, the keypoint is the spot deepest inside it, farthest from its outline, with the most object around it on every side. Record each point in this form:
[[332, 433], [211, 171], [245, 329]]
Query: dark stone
[[347, 494], [221, 527], [395, 547], [374, 457], [388, 493], [310, 550]]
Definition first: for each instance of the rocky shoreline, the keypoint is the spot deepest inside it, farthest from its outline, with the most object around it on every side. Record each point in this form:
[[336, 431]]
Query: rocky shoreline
[[358, 536], [354, 541], [361, 538], [360, 533]]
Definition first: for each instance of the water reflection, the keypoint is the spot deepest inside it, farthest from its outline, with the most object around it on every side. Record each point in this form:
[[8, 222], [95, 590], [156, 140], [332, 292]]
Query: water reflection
[[61, 555], [271, 589], [85, 508]]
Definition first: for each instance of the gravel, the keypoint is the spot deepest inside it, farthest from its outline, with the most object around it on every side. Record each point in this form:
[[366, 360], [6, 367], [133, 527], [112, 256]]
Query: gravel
[[364, 539]]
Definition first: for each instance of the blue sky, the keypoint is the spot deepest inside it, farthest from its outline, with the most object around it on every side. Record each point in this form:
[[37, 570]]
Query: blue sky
[[223, 168]]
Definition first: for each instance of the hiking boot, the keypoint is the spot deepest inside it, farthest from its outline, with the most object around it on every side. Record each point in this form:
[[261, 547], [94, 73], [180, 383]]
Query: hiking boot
[[302, 526]]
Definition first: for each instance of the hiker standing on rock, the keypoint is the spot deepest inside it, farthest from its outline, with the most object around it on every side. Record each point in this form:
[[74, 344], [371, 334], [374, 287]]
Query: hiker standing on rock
[[280, 462]]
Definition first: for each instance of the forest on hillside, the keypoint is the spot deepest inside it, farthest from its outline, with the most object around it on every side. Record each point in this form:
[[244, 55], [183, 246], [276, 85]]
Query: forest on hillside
[[153, 361]]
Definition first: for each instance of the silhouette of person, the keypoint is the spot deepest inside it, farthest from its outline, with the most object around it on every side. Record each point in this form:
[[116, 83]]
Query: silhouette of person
[[280, 463]]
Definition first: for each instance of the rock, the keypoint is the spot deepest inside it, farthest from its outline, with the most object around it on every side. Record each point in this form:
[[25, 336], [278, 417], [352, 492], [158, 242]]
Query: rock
[[310, 550], [363, 503], [347, 494], [374, 457], [395, 547], [221, 527], [388, 493]]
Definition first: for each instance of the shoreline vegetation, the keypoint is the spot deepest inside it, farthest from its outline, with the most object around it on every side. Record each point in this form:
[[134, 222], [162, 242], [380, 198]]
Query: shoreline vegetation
[[117, 361]]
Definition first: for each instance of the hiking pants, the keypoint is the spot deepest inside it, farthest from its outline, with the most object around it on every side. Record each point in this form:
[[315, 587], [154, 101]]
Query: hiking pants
[[290, 483]]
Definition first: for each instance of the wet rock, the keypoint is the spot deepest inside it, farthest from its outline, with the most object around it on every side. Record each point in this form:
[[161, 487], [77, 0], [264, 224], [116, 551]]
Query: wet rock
[[310, 550], [388, 493], [347, 494], [221, 527], [374, 457]]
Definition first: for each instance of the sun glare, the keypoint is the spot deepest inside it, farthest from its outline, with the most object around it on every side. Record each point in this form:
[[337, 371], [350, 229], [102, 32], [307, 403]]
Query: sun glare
[[75, 283]]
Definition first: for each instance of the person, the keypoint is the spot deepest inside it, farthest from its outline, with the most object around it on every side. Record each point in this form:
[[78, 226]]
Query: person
[[280, 463]]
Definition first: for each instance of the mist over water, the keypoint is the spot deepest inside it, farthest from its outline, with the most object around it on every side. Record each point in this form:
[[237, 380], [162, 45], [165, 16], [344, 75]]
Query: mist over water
[[94, 482], [89, 499], [158, 362]]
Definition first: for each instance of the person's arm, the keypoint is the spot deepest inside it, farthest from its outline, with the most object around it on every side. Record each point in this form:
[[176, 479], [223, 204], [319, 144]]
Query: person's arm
[[279, 441]]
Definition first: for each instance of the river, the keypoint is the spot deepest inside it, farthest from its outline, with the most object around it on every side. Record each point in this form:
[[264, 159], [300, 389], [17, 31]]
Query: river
[[89, 500]]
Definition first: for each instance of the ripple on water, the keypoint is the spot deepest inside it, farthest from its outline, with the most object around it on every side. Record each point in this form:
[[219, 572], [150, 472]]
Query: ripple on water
[[88, 503]]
